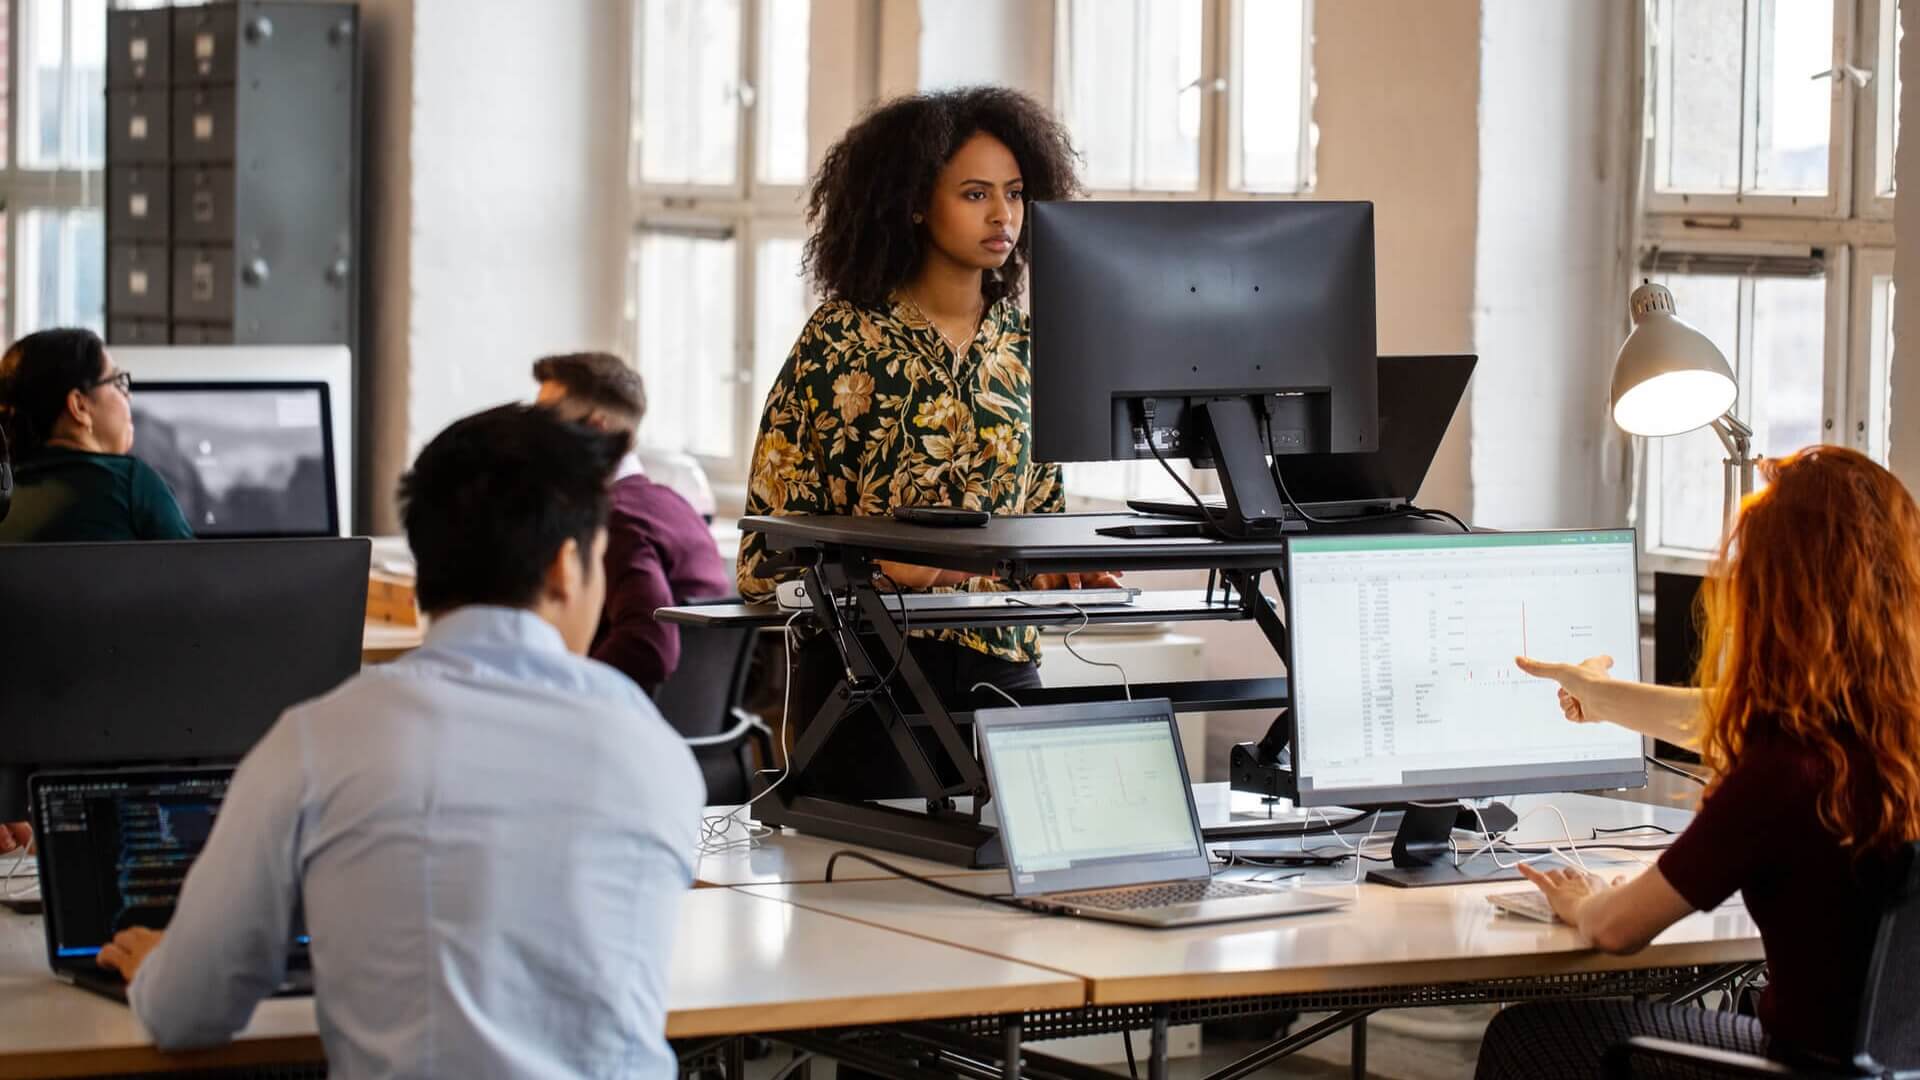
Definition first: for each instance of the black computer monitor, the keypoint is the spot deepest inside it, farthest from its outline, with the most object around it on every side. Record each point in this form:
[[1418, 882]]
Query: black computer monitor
[[244, 459], [1220, 332], [1402, 680], [167, 651]]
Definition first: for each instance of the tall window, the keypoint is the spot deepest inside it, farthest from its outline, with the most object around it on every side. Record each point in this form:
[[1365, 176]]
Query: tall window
[[1183, 99], [719, 157], [1767, 212], [1205, 99], [54, 145]]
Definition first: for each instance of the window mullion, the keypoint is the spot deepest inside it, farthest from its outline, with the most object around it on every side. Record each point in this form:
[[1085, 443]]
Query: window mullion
[[1753, 15]]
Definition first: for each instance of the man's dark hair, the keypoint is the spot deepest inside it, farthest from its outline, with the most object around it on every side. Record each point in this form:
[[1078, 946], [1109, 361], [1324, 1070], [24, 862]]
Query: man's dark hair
[[494, 497], [865, 242], [599, 379], [36, 375]]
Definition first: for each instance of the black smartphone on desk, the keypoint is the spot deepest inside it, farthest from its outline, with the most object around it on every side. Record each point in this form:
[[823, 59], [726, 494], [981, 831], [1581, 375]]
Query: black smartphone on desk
[[945, 516]]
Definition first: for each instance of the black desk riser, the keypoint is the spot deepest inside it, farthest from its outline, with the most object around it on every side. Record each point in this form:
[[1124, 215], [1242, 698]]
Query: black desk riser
[[838, 556]]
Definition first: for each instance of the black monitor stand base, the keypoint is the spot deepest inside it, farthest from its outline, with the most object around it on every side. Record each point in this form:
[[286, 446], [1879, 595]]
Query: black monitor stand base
[[1423, 853]]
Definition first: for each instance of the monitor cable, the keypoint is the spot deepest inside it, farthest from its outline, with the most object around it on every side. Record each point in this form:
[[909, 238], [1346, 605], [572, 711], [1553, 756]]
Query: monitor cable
[[1085, 619], [1209, 517]]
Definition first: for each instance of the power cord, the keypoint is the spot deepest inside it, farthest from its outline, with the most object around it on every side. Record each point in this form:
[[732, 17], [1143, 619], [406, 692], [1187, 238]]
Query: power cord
[[1085, 620], [931, 883], [715, 827], [1209, 517], [1011, 700], [1677, 771]]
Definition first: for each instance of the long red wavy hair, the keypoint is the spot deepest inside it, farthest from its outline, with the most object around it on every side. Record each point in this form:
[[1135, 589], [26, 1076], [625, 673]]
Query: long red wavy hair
[[1811, 632]]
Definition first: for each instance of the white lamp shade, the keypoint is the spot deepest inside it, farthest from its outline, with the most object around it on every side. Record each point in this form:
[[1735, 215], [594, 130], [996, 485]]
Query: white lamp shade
[[1668, 377]]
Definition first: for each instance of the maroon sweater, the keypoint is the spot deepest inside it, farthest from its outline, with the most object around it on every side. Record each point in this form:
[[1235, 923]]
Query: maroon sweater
[[659, 553], [1817, 907]]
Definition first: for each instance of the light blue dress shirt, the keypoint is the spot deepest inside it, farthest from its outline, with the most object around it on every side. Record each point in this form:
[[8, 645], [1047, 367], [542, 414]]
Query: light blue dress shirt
[[489, 838]]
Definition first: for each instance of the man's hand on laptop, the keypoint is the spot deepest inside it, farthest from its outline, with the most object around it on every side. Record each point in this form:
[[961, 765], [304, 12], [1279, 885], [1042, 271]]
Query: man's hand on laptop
[[15, 836], [128, 950], [1098, 579]]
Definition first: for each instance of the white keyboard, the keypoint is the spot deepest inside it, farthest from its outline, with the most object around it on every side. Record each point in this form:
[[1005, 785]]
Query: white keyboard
[[1526, 903]]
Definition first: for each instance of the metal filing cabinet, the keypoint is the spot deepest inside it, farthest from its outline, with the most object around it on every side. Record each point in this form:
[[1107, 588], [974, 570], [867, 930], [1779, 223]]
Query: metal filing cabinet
[[249, 137]]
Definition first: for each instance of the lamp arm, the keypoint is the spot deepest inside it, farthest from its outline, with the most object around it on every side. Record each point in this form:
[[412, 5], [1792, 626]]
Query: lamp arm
[[1737, 437]]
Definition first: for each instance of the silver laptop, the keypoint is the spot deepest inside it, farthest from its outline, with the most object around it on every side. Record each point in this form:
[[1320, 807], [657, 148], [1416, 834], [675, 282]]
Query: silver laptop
[[1097, 818], [793, 596]]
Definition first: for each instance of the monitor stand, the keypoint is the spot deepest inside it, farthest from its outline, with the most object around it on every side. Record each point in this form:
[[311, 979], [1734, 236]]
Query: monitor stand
[[1254, 508], [1423, 856]]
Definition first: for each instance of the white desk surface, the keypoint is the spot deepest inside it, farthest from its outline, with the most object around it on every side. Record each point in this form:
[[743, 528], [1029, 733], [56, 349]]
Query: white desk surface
[[788, 856], [1388, 937], [741, 964]]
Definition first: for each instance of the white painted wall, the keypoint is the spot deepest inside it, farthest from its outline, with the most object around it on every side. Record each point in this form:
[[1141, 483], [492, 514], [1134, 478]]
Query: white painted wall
[[510, 239], [1549, 292]]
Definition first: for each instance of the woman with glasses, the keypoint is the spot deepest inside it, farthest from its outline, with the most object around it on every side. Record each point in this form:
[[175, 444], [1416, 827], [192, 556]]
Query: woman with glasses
[[66, 423]]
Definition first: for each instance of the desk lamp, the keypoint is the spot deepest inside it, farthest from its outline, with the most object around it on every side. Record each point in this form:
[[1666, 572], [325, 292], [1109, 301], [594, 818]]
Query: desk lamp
[[1669, 379]]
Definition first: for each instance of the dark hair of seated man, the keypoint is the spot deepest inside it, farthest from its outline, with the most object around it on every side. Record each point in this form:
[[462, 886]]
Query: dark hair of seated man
[[492, 499]]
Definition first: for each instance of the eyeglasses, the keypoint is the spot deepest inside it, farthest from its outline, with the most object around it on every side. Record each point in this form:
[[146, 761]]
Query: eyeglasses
[[120, 380]]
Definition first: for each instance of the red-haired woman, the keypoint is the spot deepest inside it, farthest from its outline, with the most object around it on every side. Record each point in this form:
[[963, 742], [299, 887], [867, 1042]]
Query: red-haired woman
[[1810, 720]]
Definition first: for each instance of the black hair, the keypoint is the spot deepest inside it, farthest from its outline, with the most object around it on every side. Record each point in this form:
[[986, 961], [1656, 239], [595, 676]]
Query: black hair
[[36, 375], [494, 497], [602, 380], [865, 242]]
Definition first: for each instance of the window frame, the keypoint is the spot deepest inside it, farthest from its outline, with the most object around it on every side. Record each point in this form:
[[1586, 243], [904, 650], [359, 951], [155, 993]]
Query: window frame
[[1838, 199], [1851, 231], [1876, 108], [745, 211], [1868, 385], [23, 191], [1220, 85]]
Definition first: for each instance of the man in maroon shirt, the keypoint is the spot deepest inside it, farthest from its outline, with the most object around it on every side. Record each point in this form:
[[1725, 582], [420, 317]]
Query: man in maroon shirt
[[659, 552]]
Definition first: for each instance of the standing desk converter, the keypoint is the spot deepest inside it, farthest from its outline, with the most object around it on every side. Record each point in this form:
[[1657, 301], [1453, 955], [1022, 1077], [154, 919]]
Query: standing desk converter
[[837, 555]]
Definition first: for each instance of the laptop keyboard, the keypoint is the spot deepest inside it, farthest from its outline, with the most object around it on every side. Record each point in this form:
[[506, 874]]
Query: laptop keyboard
[[1156, 896]]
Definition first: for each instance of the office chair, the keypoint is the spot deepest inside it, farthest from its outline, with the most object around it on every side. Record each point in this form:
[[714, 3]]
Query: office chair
[[701, 699], [1888, 1042]]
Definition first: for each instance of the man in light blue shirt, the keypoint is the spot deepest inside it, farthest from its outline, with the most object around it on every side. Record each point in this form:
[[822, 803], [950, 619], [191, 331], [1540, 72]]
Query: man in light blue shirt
[[488, 839]]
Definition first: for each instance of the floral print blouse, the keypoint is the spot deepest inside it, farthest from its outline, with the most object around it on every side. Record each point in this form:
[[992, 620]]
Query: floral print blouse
[[872, 411]]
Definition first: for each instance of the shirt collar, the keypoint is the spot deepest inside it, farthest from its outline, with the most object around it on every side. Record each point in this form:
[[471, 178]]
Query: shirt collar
[[482, 625]]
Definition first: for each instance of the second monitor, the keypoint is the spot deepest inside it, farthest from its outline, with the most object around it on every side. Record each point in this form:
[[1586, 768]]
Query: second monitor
[[1403, 683], [244, 459]]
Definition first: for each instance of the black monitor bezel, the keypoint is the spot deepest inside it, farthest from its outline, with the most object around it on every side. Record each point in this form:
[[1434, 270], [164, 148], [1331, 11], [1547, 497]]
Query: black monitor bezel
[[329, 451]]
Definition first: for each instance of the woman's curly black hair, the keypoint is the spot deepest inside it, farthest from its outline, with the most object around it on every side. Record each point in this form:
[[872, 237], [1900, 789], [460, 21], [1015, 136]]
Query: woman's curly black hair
[[881, 172]]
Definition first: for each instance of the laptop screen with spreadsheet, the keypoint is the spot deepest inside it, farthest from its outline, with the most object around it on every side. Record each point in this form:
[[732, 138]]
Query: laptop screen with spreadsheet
[[1091, 796]]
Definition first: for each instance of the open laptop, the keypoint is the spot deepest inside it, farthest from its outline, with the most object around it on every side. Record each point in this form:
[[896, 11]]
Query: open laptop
[[1097, 818], [1418, 397], [114, 849]]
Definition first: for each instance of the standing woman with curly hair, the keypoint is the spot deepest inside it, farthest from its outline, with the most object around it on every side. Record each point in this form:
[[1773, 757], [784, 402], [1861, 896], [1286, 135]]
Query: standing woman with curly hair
[[1810, 670], [909, 386]]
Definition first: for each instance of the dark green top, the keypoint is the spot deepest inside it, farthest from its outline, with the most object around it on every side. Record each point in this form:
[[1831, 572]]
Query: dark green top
[[65, 495]]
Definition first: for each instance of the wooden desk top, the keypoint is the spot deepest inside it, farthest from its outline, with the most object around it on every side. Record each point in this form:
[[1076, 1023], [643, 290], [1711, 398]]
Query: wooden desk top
[[790, 857], [1388, 937], [382, 642], [741, 964]]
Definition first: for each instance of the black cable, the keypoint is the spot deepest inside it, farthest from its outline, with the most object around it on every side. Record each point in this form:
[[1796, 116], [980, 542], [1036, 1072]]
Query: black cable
[[1598, 832], [905, 627], [1417, 511], [1701, 780], [1133, 1069], [931, 883], [1208, 520]]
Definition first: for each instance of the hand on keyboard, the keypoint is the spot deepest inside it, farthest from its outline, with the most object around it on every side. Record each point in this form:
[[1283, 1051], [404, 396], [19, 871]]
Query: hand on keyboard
[[1526, 903]]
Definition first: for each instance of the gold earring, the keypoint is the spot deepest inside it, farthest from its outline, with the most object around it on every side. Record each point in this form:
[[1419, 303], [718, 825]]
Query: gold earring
[[918, 219]]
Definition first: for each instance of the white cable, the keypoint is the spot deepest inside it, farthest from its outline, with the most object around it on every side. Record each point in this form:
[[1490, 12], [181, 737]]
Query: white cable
[[989, 686], [715, 827], [15, 885], [1553, 851], [1085, 619]]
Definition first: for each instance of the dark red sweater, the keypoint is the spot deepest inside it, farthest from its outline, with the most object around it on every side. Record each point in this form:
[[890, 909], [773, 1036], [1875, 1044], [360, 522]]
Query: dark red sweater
[[659, 553], [1817, 907]]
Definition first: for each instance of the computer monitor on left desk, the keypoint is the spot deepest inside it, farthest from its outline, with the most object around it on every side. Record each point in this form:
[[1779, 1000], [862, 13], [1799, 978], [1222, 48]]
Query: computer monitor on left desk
[[167, 651], [1404, 687]]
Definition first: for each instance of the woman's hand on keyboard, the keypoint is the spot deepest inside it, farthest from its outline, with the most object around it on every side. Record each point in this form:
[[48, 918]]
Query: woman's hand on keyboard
[[909, 576], [1097, 579], [1566, 888]]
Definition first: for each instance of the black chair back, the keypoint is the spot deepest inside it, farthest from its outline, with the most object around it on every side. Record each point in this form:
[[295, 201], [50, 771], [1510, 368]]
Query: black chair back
[[698, 698], [1889, 1022], [701, 698]]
